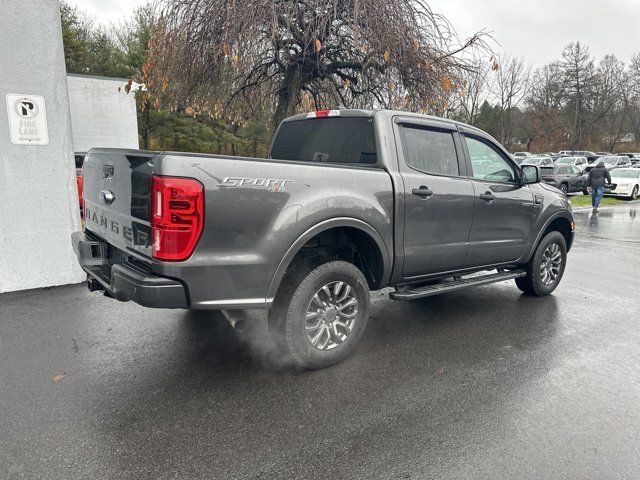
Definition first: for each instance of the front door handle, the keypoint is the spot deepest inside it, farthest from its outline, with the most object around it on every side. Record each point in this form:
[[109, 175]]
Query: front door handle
[[487, 197], [422, 192]]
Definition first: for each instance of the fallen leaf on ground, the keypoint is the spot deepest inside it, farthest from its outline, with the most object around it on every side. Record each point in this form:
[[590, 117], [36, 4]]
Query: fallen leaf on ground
[[59, 377]]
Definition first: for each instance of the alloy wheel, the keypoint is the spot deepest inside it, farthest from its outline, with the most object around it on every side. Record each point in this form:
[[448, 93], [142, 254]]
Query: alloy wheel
[[331, 315], [550, 264]]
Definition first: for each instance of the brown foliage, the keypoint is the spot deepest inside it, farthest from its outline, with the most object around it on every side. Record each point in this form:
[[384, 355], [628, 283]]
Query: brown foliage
[[257, 54]]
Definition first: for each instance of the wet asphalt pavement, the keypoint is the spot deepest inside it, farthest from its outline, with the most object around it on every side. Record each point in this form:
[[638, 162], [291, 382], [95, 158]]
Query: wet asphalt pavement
[[484, 383]]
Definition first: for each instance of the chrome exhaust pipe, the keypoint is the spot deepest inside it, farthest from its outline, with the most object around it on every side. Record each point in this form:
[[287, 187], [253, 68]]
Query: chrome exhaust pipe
[[237, 319]]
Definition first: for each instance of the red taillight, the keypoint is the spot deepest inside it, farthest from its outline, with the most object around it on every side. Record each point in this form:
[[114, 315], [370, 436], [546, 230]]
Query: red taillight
[[177, 216], [79, 182]]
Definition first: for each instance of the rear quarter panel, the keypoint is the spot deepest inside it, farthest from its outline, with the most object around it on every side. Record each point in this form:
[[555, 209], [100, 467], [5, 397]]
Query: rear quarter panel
[[255, 210]]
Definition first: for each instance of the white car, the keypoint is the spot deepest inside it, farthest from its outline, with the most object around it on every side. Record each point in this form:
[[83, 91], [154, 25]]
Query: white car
[[612, 161], [540, 160], [626, 181], [580, 162]]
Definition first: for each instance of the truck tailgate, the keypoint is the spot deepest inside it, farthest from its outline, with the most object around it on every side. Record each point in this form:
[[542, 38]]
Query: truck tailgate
[[117, 198]]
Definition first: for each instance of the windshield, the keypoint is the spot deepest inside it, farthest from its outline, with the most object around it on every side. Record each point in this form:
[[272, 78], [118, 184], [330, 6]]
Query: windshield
[[615, 173], [332, 140], [565, 161], [609, 160]]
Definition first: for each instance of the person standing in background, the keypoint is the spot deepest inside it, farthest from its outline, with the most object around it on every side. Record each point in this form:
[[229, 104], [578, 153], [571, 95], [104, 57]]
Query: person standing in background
[[598, 177]]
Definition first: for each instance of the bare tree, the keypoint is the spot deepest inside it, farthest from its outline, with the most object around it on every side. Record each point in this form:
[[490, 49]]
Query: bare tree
[[354, 52], [472, 91], [610, 104], [545, 101], [578, 72], [634, 95], [510, 88]]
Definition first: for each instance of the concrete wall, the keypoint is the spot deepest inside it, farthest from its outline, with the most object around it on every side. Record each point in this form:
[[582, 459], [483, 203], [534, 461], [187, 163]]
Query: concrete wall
[[101, 116], [38, 196]]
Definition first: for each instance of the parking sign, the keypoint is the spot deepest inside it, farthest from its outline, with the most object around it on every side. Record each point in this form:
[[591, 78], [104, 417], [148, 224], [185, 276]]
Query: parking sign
[[27, 119]]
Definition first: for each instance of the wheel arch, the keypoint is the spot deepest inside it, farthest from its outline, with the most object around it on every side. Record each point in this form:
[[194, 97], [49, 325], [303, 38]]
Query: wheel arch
[[561, 222], [344, 226]]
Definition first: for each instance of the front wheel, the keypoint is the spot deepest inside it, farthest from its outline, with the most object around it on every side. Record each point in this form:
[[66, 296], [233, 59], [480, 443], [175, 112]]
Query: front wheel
[[634, 193], [546, 267], [319, 320]]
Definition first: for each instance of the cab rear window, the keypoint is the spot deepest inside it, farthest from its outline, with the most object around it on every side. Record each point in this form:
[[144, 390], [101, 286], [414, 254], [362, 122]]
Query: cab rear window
[[348, 140]]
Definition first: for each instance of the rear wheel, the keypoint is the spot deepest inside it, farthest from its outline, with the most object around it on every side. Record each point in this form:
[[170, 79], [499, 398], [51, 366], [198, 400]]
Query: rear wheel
[[564, 188], [546, 267], [319, 318]]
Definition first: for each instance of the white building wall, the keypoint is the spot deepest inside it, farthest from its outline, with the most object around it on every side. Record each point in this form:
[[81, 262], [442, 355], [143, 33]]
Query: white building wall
[[102, 113], [38, 194]]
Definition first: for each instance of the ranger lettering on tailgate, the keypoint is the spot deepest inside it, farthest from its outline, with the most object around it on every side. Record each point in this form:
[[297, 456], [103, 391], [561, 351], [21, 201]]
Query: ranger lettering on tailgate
[[135, 235]]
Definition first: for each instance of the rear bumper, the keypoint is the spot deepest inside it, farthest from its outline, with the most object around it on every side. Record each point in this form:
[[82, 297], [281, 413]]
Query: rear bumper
[[126, 281]]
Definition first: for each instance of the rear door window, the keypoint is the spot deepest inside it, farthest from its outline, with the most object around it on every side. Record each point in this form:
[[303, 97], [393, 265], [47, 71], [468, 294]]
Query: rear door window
[[430, 150], [348, 140]]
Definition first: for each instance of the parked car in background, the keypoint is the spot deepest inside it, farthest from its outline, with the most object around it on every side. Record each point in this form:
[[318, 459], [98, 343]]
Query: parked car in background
[[520, 156], [554, 156], [566, 178], [580, 162], [633, 157], [602, 154], [540, 161], [625, 183], [611, 161], [590, 156]]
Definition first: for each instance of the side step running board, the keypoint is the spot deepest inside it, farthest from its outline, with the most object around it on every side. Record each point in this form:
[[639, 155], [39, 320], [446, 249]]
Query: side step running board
[[454, 285]]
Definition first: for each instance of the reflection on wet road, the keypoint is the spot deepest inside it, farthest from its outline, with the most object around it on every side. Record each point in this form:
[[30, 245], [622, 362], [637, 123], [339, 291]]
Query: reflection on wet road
[[479, 384], [617, 224]]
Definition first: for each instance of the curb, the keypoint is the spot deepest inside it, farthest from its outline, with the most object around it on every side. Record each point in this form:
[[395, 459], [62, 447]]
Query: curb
[[634, 203]]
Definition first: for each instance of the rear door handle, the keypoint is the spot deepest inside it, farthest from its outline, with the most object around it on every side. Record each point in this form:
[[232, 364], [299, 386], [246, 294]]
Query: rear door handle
[[422, 192], [487, 197]]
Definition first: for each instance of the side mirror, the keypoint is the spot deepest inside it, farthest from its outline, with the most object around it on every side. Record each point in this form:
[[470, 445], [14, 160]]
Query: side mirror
[[530, 174]]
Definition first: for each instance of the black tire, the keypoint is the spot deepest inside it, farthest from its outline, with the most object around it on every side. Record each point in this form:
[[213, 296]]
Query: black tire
[[564, 188], [585, 192], [291, 328], [634, 193], [534, 283]]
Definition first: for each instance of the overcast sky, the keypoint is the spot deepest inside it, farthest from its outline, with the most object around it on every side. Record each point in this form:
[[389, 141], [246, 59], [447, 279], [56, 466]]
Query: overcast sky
[[535, 29]]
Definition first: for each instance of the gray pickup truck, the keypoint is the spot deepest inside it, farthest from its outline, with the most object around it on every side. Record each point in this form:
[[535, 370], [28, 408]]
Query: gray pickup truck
[[347, 201]]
